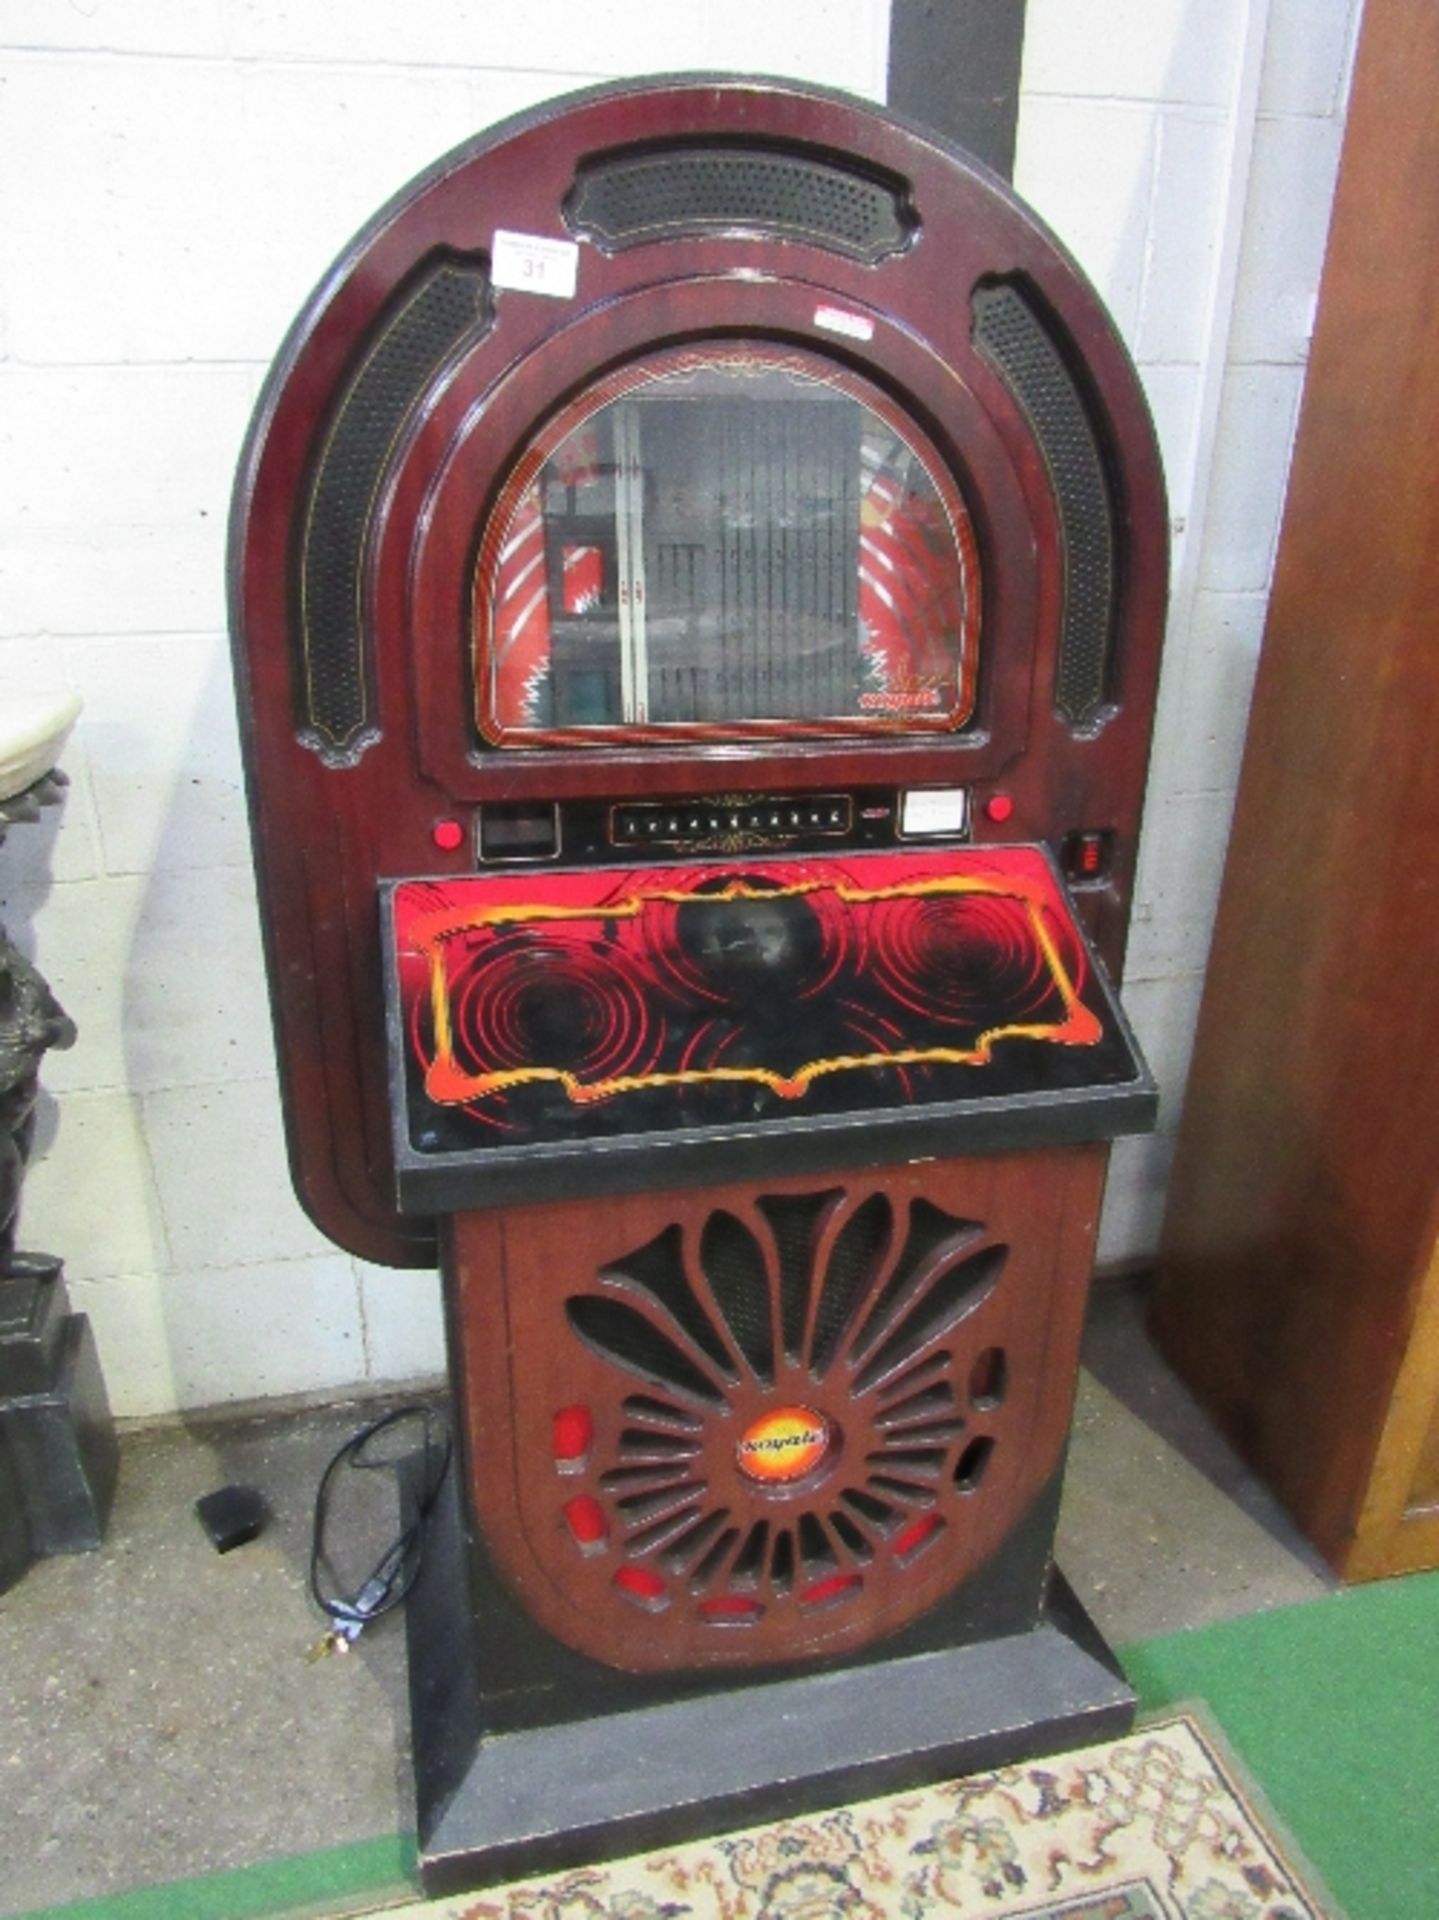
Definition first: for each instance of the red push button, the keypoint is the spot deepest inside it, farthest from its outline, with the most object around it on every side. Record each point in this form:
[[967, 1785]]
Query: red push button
[[447, 835], [573, 1431], [998, 808]]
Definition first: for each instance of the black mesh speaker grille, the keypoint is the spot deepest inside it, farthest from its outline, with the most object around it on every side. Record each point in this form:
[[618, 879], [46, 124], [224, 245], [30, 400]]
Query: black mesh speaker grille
[[334, 695], [736, 1272], [658, 1267], [666, 193], [857, 1252], [1016, 339], [794, 1221]]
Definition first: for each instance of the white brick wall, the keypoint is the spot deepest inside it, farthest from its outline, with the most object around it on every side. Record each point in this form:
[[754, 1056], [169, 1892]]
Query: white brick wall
[[1214, 640], [174, 175], [1161, 86]]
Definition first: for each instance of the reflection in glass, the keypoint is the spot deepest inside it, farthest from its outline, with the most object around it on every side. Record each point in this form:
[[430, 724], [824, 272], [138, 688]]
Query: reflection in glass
[[726, 542]]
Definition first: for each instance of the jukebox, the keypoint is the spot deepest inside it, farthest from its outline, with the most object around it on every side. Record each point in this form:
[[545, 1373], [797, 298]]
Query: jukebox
[[698, 573]]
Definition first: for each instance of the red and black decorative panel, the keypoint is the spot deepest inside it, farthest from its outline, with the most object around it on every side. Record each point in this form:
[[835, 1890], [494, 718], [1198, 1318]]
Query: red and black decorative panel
[[768, 1422], [628, 1008]]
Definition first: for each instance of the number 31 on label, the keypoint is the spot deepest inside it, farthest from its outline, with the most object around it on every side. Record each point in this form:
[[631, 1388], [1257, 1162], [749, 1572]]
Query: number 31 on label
[[529, 263]]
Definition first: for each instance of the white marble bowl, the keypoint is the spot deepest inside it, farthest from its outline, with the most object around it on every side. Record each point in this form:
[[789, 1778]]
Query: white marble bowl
[[33, 729]]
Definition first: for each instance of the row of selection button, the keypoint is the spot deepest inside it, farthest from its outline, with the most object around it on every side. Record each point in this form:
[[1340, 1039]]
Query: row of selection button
[[819, 813]]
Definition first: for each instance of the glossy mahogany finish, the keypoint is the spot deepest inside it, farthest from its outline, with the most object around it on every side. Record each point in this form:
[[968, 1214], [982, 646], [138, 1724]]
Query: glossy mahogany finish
[[328, 829], [923, 1393]]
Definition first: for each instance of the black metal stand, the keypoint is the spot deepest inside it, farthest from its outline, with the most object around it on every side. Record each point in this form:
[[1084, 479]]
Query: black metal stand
[[514, 1779]]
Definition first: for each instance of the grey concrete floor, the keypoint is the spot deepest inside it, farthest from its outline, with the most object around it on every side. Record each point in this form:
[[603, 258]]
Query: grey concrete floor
[[160, 1718], [1162, 1526]]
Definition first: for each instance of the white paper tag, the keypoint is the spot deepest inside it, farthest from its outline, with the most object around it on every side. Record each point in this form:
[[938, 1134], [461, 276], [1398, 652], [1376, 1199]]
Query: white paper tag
[[933, 810], [855, 326], [529, 263]]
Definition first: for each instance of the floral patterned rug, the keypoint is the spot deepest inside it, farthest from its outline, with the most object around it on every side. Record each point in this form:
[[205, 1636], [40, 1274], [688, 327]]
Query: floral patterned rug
[[1156, 1826]]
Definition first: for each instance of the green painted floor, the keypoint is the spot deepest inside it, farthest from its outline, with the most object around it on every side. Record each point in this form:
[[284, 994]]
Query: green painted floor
[[1333, 1707], [331, 1882]]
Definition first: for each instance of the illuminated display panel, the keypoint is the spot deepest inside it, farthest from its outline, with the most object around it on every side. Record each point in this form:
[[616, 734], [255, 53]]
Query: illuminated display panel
[[725, 543], [552, 1008]]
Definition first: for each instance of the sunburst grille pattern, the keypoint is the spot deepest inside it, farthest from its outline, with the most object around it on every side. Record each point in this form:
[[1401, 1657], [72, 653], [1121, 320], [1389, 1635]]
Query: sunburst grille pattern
[[798, 1405]]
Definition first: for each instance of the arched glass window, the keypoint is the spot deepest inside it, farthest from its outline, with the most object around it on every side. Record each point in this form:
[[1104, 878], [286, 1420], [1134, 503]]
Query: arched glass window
[[728, 542]]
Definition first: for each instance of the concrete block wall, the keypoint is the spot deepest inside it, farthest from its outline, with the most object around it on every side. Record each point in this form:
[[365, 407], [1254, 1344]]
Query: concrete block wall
[[1187, 152], [174, 175]]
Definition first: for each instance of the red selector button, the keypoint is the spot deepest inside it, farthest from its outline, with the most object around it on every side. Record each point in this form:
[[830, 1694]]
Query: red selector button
[[998, 808], [447, 835]]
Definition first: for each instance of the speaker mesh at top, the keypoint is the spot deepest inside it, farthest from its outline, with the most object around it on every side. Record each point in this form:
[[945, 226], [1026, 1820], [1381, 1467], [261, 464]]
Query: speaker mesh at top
[[334, 694], [1014, 337], [671, 192]]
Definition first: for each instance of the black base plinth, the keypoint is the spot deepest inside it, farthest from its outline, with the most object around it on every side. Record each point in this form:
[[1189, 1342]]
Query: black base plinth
[[56, 1434], [16, 1550], [497, 1803]]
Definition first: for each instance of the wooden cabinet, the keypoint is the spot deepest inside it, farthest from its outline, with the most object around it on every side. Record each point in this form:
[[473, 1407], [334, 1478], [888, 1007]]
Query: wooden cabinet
[[1299, 1292]]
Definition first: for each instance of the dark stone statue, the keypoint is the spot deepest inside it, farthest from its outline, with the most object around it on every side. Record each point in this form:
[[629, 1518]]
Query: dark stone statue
[[58, 1456], [31, 1022]]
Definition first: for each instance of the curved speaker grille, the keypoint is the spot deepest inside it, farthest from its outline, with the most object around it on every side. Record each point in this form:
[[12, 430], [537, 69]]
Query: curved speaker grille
[[797, 1400], [667, 193], [334, 692], [1012, 335]]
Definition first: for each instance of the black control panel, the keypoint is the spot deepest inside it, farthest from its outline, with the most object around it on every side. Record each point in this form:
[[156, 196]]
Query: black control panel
[[700, 824], [583, 832]]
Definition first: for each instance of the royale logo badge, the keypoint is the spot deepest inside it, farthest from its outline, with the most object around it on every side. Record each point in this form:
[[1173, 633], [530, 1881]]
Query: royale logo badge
[[784, 1445]]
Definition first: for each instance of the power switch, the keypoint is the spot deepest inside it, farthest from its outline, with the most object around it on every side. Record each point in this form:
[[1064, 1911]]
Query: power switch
[[1085, 855]]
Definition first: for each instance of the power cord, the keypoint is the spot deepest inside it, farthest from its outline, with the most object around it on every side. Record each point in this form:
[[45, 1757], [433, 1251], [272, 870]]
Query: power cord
[[394, 1574]]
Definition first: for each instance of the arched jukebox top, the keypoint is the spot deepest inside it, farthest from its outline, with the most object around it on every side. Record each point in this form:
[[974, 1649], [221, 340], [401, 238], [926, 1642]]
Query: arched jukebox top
[[714, 473]]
